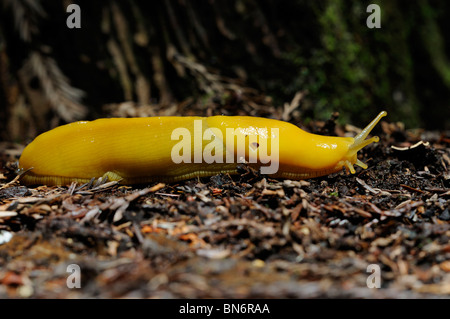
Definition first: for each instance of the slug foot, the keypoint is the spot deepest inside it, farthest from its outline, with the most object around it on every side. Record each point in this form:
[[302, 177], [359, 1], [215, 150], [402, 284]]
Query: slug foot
[[111, 176]]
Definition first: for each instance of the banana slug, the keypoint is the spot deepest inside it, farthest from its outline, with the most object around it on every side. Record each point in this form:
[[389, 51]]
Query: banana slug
[[141, 150]]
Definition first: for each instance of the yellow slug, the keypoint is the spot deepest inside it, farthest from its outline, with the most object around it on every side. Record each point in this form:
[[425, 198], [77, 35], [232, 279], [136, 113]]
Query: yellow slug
[[140, 150]]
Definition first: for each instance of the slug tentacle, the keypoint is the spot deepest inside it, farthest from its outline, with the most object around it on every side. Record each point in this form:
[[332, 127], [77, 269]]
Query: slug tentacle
[[360, 140], [349, 166], [361, 164]]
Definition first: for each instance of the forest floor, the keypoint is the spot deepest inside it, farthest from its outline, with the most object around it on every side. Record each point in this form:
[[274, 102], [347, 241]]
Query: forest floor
[[242, 236]]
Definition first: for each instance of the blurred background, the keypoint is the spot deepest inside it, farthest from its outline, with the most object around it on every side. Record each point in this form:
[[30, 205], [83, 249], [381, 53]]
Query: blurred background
[[292, 60]]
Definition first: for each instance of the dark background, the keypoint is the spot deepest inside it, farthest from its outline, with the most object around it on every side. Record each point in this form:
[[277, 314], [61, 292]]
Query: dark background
[[223, 56]]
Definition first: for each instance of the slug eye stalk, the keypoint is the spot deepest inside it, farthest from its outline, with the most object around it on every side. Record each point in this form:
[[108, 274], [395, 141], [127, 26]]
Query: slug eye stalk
[[360, 142]]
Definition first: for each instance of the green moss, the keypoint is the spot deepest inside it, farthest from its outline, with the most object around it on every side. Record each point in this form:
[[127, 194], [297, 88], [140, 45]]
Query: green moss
[[359, 71], [434, 42], [334, 194]]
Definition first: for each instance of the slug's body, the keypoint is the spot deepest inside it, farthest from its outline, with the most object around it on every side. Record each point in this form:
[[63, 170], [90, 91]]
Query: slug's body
[[140, 150]]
